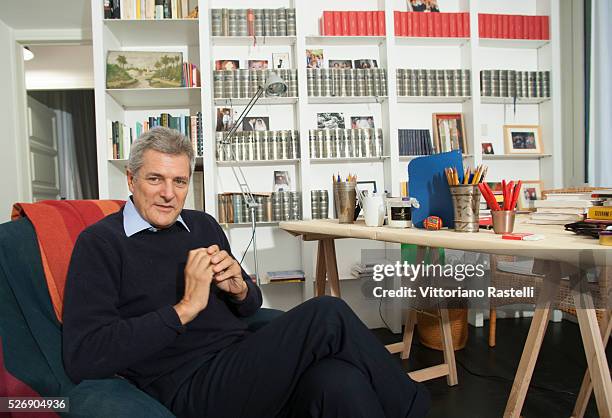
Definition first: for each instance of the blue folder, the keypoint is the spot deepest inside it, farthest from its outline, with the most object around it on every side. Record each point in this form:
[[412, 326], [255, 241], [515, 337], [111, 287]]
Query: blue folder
[[427, 183]]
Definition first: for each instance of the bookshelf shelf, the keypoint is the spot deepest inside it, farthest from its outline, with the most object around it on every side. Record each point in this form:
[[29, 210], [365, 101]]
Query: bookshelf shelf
[[253, 40], [152, 98], [433, 99], [430, 41], [346, 99], [257, 162], [154, 32], [248, 224], [514, 156], [510, 100], [412, 157], [262, 101], [315, 40], [512, 43], [348, 160], [122, 163]]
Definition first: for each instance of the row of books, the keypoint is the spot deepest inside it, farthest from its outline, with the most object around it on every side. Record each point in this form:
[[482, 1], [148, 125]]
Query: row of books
[[426, 82], [513, 26], [414, 142], [259, 146], [253, 22], [121, 137], [510, 83], [561, 208], [146, 9], [346, 82], [272, 207], [190, 76], [244, 83], [352, 23], [346, 143], [438, 25]]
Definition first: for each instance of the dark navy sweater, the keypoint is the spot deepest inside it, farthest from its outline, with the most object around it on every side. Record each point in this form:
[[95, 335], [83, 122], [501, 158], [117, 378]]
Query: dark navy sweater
[[118, 305]]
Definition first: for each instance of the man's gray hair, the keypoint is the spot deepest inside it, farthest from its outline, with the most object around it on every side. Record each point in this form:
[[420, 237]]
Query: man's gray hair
[[164, 140]]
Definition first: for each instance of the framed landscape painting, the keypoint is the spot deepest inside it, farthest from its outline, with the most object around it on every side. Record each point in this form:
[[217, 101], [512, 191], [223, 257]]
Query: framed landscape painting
[[143, 69]]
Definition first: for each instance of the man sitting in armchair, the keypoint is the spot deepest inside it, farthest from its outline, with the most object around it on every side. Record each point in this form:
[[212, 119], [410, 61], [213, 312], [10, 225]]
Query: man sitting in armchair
[[154, 295]]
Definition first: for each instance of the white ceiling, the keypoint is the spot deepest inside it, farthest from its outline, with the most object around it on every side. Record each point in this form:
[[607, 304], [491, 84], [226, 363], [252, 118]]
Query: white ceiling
[[46, 14]]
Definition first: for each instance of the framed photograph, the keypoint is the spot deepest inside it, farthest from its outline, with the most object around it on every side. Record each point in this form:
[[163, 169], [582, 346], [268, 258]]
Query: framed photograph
[[422, 5], [227, 65], [330, 121], [523, 139], [487, 148], [258, 64], [314, 58], [366, 63], [225, 119], [449, 132], [368, 186], [530, 192], [281, 181], [256, 123], [143, 69], [340, 64], [362, 122], [281, 60]]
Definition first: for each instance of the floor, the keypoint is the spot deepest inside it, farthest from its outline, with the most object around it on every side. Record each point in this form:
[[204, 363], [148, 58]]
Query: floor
[[486, 374]]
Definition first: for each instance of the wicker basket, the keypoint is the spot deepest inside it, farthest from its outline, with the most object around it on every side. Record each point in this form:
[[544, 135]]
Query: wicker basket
[[430, 332]]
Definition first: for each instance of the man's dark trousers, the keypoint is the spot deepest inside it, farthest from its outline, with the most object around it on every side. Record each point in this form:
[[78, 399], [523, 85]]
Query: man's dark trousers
[[317, 360]]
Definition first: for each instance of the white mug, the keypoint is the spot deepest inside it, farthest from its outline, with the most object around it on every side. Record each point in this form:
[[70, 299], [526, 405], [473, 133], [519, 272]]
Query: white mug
[[374, 210]]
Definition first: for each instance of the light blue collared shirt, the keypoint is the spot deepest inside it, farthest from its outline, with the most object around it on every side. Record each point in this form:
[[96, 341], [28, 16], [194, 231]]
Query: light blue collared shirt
[[133, 223]]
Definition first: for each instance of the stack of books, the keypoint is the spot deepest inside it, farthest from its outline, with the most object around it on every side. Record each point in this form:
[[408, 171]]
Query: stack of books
[[426, 82], [287, 276], [601, 214], [510, 83], [244, 83], [432, 25], [513, 26], [346, 82], [414, 142], [253, 22], [352, 23], [562, 208]]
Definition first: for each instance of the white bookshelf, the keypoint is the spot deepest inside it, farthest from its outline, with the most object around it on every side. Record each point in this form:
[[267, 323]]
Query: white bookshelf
[[484, 116]]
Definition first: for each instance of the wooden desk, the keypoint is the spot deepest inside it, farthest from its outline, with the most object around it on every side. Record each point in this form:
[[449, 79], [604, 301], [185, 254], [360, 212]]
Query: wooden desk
[[553, 249]]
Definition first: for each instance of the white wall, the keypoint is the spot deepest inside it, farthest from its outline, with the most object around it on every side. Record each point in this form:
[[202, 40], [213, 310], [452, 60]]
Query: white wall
[[60, 67], [13, 174]]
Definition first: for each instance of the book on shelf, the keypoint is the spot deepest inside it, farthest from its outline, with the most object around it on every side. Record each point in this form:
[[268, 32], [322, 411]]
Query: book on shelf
[[433, 82], [120, 136], [190, 76], [511, 83], [431, 25], [414, 142], [499, 26], [146, 9], [272, 207], [352, 23], [253, 22], [285, 276], [243, 83], [346, 82]]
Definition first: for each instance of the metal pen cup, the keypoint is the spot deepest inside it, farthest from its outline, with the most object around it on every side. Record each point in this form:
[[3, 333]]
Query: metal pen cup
[[345, 199], [503, 221], [466, 205]]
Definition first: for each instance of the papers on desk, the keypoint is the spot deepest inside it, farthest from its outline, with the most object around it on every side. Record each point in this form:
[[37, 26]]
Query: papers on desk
[[561, 209], [286, 276]]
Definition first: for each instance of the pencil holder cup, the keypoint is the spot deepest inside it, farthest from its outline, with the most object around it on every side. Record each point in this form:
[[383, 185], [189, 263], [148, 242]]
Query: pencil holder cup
[[503, 221], [345, 198], [466, 205]]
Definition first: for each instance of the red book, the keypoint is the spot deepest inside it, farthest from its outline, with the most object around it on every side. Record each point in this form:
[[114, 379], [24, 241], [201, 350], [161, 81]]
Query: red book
[[505, 26], [430, 24], [404, 18], [452, 25], [480, 25], [487, 25], [345, 23], [459, 23], [528, 27], [512, 27], [466, 25], [445, 24], [397, 23], [338, 23], [494, 30], [353, 24], [538, 27], [500, 26], [381, 23], [369, 23], [375, 23], [328, 23], [545, 28], [520, 32], [437, 24], [361, 24]]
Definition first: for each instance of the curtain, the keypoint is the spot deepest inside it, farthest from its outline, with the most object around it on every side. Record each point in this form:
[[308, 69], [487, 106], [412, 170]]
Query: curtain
[[601, 92], [76, 130]]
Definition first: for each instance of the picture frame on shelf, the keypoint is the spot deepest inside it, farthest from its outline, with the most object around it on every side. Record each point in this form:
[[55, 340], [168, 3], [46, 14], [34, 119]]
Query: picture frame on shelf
[[228, 65], [365, 64], [366, 122], [281, 60], [523, 139], [422, 5], [144, 69], [282, 182], [449, 132], [487, 148], [368, 186], [257, 64], [225, 119], [335, 64], [256, 123], [531, 190], [314, 58], [331, 120]]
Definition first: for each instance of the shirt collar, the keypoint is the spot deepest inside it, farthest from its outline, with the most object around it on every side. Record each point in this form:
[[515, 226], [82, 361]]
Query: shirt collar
[[134, 223]]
